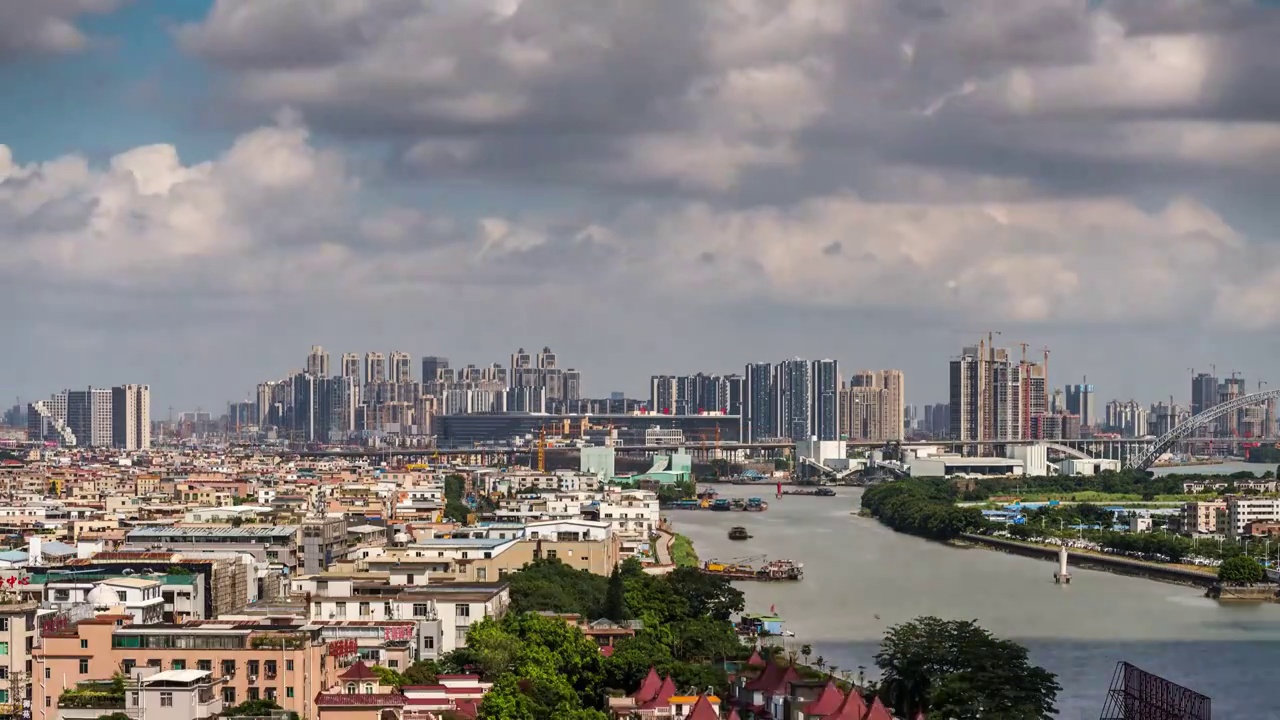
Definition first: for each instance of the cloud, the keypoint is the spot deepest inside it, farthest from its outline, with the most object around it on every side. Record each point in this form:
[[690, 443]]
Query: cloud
[[46, 27], [717, 99]]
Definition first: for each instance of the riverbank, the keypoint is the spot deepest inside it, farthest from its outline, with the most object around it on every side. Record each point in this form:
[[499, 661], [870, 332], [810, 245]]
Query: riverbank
[[1176, 574], [682, 552]]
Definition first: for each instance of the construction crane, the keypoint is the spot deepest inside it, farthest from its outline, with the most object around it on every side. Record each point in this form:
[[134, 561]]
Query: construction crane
[[1024, 347], [542, 449], [1046, 365]]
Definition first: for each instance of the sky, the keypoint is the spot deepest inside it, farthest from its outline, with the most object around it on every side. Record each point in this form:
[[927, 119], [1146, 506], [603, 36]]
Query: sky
[[192, 194]]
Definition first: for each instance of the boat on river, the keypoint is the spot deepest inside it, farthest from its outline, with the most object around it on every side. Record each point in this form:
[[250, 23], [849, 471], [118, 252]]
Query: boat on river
[[721, 505], [771, 571], [738, 532], [814, 492]]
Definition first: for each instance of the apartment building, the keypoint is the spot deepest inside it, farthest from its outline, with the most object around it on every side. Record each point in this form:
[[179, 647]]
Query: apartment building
[[273, 544], [288, 664], [1241, 511], [442, 612], [17, 639], [633, 515], [1201, 517]]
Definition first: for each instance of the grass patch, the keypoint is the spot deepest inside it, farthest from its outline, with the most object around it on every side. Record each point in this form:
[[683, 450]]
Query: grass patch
[[682, 552]]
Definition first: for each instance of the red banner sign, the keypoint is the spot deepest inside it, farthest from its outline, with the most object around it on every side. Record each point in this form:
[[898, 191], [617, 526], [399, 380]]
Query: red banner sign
[[343, 648], [397, 633]]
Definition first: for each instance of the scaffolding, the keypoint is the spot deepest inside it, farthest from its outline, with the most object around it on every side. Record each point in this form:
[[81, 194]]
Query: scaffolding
[[1136, 694]]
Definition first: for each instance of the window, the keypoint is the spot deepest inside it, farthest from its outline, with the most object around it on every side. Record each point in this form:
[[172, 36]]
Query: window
[[420, 609], [462, 610], [409, 579], [253, 694], [351, 688], [464, 554], [487, 555], [428, 643], [368, 688], [206, 665], [551, 554], [270, 667], [482, 574], [121, 595], [364, 610], [4, 673], [4, 696], [288, 692], [228, 667], [228, 696], [340, 609], [84, 666], [84, 644], [166, 699], [393, 664], [253, 667], [288, 666], [4, 624], [128, 668], [271, 694], [4, 648], [179, 664], [133, 698], [460, 636]]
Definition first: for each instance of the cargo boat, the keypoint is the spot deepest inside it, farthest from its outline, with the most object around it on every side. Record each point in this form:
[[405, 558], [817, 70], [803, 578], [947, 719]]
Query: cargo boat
[[721, 505], [755, 504], [817, 492], [772, 571], [739, 533]]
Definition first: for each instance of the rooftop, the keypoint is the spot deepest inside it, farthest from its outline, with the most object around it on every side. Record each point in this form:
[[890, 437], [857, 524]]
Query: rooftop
[[218, 531], [184, 676]]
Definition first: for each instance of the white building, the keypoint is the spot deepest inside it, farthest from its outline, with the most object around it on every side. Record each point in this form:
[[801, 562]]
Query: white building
[[632, 513], [89, 416], [137, 597], [1241, 511]]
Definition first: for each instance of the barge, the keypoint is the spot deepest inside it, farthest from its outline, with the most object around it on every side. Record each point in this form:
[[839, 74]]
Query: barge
[[817, 492], [739, 533], [771, 571]]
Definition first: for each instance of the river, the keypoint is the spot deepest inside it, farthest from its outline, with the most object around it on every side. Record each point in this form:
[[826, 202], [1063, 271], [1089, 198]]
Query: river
[[861, 577]]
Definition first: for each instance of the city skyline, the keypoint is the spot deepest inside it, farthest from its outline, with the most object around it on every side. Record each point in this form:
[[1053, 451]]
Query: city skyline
[[681, 201]]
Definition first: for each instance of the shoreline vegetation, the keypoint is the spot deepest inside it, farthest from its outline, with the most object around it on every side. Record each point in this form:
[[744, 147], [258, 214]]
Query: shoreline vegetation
[[931, 508], [683, 554]]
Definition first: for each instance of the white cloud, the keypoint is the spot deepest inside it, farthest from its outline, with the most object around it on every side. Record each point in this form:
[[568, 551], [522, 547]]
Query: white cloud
[[45, 26]]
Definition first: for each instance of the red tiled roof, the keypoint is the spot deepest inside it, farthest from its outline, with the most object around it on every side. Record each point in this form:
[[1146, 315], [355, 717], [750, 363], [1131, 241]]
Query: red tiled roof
[[878, 711], [648, 687], [359, 671], [773, 678], [755, 658], [468, 709], [371, 700], [703, 710], [733, 714], [827, 702], [607, 650], [853, 708], [663, 697]]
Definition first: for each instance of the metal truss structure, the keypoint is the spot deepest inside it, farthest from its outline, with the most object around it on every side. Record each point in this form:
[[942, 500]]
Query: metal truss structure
[[1164, 442], [1136, 694]]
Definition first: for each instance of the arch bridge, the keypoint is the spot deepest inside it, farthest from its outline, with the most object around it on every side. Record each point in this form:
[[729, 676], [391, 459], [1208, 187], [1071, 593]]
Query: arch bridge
[[1196, 422]]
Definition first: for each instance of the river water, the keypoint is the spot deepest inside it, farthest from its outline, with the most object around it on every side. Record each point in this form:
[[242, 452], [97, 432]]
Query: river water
[[861, 577]]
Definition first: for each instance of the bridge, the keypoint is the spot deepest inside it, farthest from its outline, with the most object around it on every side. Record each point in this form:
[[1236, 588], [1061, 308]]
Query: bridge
[[1196, 422]]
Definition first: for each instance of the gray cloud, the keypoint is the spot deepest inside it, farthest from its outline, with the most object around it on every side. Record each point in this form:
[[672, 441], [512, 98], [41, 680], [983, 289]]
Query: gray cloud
[[1068, 174], [45, 27]]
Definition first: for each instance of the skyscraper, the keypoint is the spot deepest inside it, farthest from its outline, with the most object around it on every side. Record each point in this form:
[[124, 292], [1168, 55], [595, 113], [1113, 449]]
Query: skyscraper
[[131, 417], [873, 406], [793, 398], [318, 362], [375, 368], [89, 416], [662, 394], [758, 419], [401, 367], [1080, 402], [825, 378], [986, 396]]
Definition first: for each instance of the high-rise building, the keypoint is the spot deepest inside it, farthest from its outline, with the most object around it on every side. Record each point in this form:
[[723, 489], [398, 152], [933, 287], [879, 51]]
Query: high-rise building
[[89, 416], [131, 417], [318, 362], [1129, 419], [1035, 401], [375, 368], [663, 390], [431, 367], [873, 406], [351, 366], [1228, 390], [825, 379], [1204, 393], [986, 396], [793, 398], [1080, 402], [401, 367], [758, 419], [572, 385], [47, 421]]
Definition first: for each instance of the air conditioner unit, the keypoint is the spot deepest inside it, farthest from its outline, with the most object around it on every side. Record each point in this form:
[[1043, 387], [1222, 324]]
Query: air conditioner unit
[[253, 678]]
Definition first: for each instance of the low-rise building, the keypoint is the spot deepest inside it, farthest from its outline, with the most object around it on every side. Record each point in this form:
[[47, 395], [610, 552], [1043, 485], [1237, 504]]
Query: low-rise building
[[1241, 511]]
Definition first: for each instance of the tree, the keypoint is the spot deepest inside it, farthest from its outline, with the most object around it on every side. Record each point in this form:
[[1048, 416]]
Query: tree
[[256, 708], [1241, 570], [389, 677], [117, 715], [421, 672], [615, 598], [707, 595], [955, 669]]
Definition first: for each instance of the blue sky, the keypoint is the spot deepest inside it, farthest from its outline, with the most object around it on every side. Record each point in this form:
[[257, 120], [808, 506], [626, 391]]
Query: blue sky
[[646, 187]]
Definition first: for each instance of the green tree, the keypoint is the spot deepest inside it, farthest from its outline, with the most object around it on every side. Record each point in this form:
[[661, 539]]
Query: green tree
[[256, 708], [1241, 570], [390, 677], [707, 595], [955, 669], [615, 599], [421, 672], [117, 715], [551, 586]]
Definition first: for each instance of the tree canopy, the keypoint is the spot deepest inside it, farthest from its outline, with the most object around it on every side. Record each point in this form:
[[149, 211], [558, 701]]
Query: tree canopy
[[920, 506], [1241, 570], [955, 669]]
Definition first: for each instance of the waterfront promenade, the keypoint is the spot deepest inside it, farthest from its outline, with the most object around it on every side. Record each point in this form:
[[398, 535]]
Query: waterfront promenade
[[861, 577]]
